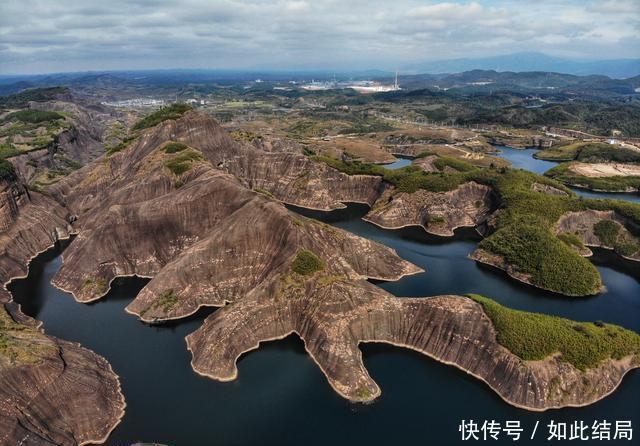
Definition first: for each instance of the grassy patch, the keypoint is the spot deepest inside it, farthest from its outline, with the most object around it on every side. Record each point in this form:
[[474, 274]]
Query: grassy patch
[[173, 111], [263, 192], [174, 147], [535, 336], [166, 301], [607, 231], [306, 263], [612, 233], [20, 344], [182, 161], [33, 116], [125, 143], [363, 393], [453, 163], [7, 150], [560, 152], [571, 240], [564, 174], [96, 286]]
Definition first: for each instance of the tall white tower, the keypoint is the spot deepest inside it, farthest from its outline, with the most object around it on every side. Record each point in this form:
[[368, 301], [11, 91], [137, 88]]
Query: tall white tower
[[395, 84]]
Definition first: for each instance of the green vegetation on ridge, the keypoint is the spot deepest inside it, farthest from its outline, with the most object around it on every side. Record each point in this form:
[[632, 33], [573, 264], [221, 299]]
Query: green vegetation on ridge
[[173, 111], [535, 336], [33, 116], [524, 223], [181, 161]]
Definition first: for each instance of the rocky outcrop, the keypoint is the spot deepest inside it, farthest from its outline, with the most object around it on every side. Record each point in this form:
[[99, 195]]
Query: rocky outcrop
[[32, 223], [439, 213], [582, 225], [54, 392], [51, 391], [549, 190], [427, 163], [334, 319], [205, 239], [190, 221]]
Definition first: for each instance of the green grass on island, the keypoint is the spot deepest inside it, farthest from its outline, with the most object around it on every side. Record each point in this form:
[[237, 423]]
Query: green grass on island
[[612, 234], [564, 174], [535, 336], [589, 152], [524, 224], [548, 260], [173, 111]]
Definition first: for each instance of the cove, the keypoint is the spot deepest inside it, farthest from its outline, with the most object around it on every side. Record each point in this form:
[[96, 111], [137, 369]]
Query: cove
[[523, 159], [282, 398]]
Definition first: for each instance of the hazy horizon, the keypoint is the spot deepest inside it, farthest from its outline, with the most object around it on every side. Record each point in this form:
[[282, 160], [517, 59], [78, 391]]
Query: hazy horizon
[[40, 37]]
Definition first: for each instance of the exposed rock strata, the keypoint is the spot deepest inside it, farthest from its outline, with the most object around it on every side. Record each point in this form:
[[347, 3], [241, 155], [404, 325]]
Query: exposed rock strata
[[206, 239], [51, 391], [69, 396], [582, 224], [439, 213], [451, 329]]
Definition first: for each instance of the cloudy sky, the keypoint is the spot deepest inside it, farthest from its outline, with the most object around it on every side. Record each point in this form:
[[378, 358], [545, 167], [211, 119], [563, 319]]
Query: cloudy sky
[[39, 36]]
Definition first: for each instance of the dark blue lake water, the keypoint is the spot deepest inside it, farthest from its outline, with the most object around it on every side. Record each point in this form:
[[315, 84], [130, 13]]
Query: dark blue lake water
[[282, 398]]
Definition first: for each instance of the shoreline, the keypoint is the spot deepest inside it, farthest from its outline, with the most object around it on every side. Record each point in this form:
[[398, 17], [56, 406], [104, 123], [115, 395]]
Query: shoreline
[[40, 326]]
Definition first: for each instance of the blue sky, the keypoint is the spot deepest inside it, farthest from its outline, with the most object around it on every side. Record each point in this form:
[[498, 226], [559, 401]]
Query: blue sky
[[67, 35]]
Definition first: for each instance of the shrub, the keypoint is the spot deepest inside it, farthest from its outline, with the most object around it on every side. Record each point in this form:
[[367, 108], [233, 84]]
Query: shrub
[[535, 336], [174, 147], [7, 171], [306, 263], [607, 231], [173, 111], [182, 162], [8, 150], [571, 240], [550, 263]]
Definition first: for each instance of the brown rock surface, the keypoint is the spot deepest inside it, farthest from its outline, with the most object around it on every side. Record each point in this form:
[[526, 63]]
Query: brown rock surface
[[438, 213], [582, 224], [51, 391], [206, 239], [333, 319]]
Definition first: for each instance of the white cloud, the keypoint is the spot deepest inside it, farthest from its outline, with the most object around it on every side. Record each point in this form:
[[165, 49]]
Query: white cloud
[[41, 35]]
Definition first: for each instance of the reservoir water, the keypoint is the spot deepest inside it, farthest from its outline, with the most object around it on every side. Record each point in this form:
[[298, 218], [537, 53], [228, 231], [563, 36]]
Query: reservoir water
[[282, 398], [400, 162], [523, 159]]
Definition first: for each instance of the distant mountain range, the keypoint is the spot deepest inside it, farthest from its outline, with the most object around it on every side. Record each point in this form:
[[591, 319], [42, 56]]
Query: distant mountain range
[[519, 62]]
